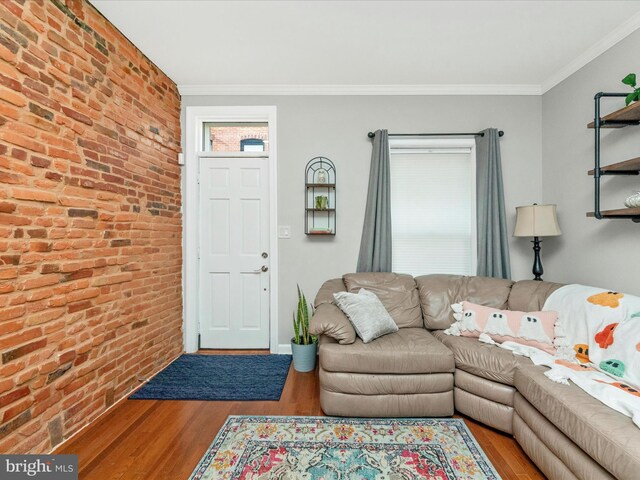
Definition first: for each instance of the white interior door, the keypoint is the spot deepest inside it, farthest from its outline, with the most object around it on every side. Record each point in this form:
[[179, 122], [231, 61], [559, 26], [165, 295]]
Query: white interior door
[[233, 308]]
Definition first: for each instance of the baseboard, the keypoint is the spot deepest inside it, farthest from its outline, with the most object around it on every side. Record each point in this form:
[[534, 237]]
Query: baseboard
[[284, 349]]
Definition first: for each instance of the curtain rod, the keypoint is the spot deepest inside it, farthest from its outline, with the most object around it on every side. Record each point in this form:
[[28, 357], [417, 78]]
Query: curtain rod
[[476, 134]]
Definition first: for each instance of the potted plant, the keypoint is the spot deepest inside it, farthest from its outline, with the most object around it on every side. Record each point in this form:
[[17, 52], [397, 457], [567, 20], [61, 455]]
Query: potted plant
[[303, 344], [635, 95]]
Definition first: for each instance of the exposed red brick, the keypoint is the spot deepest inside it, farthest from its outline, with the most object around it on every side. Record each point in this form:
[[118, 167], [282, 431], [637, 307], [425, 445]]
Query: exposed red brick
[[90, 269], [56, 177], [23, 350], [37, 233], [36, 195], [11, 178], [67, 356], [77, 115], [13, 396], [79, 212], [77, 275], [11, 83], [12, 312], [9, 259], [49, 268], [6, 207], [16, 409], [40, 162], [41, 112], [56, 431], [14, 424], [76, 307], [140, 324]]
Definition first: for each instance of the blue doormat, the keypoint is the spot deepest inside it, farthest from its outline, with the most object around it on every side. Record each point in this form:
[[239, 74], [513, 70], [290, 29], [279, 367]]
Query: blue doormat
[[219, 377]]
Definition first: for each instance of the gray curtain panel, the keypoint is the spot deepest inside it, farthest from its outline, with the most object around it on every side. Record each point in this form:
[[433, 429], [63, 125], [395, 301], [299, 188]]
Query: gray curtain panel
[[493, 240], [375, 246]]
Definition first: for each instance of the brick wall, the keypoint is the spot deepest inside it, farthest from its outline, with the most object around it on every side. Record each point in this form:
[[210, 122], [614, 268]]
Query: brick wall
[[90, 225], [227, 137]]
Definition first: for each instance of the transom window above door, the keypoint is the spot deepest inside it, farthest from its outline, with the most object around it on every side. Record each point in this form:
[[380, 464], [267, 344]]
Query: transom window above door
[[235, 137]]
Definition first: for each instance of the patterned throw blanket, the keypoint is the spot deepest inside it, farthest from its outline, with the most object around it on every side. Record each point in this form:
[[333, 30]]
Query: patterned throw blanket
[[601, 348]]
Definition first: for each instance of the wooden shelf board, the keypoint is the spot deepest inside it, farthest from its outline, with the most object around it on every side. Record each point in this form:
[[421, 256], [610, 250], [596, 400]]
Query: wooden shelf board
[[320, 233], [632, 166], [321, 209], [320, 185], [618, 213], [629, 114]]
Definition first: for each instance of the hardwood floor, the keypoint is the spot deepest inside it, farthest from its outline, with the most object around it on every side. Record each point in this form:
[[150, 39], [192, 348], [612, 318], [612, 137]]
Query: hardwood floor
[[151, 439]]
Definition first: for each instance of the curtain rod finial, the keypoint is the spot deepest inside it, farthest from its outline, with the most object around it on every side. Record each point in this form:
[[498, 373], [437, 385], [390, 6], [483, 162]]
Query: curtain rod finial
[[371, 134], [500, 133]]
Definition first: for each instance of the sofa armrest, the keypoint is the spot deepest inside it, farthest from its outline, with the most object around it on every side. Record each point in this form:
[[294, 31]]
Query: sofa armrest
[[329, 320], [328, 288]]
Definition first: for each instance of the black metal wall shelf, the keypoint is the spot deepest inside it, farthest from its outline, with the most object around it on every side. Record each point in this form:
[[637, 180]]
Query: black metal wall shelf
[[320, 197], [621, 118]]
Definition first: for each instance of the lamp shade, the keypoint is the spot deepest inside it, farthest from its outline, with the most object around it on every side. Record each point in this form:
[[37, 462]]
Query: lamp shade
[[536, 221]]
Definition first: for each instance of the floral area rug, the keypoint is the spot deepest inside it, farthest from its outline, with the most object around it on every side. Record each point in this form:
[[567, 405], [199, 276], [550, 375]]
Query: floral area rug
[[327, 448]]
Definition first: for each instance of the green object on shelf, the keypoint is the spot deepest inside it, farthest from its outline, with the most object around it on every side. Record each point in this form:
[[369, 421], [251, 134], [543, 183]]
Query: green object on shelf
[[635, 95], [321, 202]]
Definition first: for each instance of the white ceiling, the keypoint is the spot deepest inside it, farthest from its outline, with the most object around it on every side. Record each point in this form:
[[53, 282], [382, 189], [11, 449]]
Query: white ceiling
[[371, 46]]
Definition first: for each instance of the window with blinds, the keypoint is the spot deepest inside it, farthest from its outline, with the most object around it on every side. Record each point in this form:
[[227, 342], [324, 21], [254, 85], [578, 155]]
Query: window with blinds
[[433, 207]]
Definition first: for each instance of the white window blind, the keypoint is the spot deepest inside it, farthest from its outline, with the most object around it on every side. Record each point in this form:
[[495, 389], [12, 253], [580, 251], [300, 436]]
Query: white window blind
[[433, 211]]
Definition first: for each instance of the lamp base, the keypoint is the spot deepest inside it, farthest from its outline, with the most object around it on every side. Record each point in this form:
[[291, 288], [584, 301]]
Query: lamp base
[[537, 263]]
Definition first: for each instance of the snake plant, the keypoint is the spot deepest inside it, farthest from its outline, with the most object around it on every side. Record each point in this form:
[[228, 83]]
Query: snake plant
[[301, 335]]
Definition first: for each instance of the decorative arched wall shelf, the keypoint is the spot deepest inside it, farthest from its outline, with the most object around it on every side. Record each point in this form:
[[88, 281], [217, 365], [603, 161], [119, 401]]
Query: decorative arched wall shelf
[[320, 197]]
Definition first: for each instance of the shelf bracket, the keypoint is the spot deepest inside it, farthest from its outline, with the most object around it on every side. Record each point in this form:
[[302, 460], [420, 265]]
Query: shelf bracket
[[598, 123], [596, 169]]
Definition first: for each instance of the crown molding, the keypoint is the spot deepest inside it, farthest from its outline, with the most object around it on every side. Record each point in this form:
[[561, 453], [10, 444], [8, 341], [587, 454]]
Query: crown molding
[[597, 49], [188, 90]]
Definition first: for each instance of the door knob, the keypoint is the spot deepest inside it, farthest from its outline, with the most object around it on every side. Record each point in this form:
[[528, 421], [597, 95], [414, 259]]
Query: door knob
[[264, 268]]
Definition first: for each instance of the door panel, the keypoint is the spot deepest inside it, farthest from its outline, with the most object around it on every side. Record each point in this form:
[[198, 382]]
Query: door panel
[[233, 233]]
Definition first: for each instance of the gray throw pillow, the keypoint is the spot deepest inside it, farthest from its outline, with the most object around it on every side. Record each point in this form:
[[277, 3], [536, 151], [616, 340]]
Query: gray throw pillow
[[367, 314]]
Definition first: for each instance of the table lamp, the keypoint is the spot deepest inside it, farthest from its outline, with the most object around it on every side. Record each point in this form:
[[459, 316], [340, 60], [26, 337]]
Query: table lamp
[[536, 221]]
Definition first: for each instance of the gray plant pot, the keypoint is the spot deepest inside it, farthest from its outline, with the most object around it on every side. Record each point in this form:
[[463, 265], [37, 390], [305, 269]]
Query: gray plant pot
[[304, 356]]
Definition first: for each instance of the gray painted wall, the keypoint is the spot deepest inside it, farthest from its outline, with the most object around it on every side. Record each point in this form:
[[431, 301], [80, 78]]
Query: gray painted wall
[[337, 126], [593, 252]]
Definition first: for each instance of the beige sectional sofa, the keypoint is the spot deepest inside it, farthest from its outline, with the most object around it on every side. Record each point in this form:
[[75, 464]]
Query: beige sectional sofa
[[421, 372]]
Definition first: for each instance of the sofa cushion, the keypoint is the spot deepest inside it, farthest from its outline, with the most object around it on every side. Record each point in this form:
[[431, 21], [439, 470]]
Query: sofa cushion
[[530, 426], [486, 361], [481, 387], [409, 350], [385, 384], [398, 293], [530, 295], [438, 292], [610, 438], [367, 314], [534, 329]]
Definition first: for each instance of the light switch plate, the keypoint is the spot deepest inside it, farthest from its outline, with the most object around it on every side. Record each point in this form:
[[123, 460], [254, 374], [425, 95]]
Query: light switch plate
[[284, 231]]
